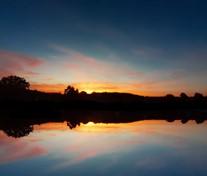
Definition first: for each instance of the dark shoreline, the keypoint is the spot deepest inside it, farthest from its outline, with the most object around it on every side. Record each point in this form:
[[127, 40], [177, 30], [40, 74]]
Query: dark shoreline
[[21, 108], [19, 124]]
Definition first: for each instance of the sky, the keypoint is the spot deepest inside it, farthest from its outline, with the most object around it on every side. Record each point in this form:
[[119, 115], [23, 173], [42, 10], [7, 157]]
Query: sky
[[146, 47]]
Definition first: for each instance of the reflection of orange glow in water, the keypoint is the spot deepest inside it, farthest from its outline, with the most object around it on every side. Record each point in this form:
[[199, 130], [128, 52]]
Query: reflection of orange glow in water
[[145, 126], [91, 140], [52, 126], [96, 139], [140, 126], [90, 124]]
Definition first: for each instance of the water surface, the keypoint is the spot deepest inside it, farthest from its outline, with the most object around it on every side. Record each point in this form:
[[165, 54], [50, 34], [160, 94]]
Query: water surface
[[149, 147]]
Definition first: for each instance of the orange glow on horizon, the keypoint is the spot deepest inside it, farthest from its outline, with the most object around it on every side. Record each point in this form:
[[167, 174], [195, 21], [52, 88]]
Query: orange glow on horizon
[[58, 88], [91, 87]]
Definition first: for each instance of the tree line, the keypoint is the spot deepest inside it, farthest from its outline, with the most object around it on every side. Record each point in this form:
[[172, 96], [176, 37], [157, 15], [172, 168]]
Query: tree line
[[18, 84], [15, 84]]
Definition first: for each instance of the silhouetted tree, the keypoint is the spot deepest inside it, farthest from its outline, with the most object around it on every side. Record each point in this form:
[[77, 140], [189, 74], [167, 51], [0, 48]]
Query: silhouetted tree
[[70, 90], [183, 95], [14, 83], [18, 130]]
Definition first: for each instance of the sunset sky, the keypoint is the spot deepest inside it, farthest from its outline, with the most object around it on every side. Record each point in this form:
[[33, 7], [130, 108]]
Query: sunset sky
[[146, 47]]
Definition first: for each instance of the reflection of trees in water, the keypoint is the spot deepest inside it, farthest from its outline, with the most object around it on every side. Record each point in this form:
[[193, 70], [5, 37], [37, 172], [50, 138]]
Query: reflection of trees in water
[[198, 120], [18, 131], [170, 120], [185, 120], [201, 120], [22, 127], [73, 124]]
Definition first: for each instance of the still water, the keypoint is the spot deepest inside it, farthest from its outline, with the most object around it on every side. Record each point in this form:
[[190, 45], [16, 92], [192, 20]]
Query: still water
[[149, 147]]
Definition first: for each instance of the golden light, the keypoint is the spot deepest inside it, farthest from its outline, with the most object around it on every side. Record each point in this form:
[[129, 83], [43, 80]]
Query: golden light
[[91, 87], [89, 124]]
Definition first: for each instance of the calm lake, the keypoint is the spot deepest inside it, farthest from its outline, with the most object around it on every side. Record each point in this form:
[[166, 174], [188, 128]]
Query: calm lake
[[148, 147]]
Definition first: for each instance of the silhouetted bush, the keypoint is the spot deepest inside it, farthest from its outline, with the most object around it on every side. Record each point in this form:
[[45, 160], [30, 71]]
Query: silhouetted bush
[[83, 93], [170, 97], [198, 95]]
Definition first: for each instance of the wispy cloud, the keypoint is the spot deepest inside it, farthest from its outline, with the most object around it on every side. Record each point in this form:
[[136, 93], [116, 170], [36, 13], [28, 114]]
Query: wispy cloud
[[110, 74], [87, 68], [148, 52], [15, 63]]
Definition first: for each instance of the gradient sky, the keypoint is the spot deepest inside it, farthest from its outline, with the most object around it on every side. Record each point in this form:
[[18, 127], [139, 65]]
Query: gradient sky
[[147, 47]]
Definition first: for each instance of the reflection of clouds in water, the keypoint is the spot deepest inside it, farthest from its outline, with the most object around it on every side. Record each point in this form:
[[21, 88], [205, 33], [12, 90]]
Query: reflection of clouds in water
[[158, 131], [133, 136], [153, 162], [89, 147], [189, 158], [143, 145], [18, 149]]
